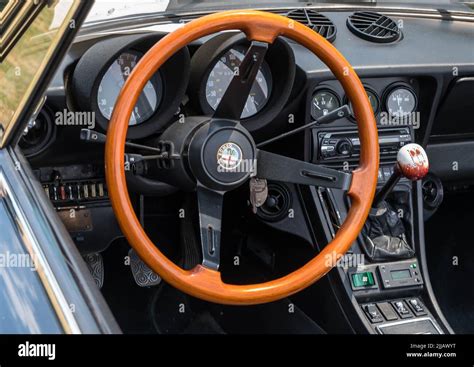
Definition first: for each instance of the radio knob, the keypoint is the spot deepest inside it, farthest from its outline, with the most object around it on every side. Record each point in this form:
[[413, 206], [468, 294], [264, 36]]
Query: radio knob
[[344, 147]]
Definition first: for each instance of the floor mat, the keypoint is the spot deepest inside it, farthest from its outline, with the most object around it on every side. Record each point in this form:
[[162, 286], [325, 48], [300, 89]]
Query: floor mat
[[280, 317]]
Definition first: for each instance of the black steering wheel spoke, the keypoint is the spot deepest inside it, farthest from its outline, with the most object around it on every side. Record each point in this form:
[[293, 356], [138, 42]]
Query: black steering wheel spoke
[[210, 219], [238, 91], [276, 167]]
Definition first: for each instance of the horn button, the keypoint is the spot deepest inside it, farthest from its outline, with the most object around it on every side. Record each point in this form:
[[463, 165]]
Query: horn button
[[222, 155]]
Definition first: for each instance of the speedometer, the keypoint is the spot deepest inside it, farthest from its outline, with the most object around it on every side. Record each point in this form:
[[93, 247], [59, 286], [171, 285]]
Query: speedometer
[[113, 81], [222, 73]]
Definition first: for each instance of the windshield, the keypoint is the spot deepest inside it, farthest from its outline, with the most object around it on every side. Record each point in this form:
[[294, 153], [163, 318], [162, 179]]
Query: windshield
[[109, 9]]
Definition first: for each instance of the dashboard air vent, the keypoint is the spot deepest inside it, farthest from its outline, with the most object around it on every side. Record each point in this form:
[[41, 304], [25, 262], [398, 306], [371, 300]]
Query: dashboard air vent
[[39, 134], [316, 21], [373, 27]]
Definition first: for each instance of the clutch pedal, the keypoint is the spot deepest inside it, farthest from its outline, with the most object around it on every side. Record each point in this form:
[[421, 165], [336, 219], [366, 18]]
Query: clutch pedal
[[143, 275], [95, 263]]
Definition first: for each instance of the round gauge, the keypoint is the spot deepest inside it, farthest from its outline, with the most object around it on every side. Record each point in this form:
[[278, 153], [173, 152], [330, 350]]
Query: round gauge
[[373, 99], [323, 102], [400, 102], [222, 73], [113, 81]]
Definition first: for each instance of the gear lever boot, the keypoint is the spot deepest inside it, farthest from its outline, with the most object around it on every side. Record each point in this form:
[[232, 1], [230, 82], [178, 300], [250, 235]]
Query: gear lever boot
[[384, 235], [384, 232]]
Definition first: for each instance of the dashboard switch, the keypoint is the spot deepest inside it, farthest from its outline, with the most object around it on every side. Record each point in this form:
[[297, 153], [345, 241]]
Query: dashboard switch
[[364, 279], [402, 309], [62, 192], [417, 307], [372, 313]]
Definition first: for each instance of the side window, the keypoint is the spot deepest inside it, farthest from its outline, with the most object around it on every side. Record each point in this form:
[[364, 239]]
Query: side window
[[32, 32]]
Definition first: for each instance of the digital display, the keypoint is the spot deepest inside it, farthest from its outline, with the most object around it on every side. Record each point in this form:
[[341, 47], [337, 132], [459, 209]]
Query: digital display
[[400, 274]]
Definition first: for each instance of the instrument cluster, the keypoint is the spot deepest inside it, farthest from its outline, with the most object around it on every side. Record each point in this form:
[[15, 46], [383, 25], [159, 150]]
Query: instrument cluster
[[103, 69], [398, 99]]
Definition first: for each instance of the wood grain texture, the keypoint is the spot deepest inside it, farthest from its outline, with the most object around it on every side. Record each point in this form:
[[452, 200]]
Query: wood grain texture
[[202, 282]]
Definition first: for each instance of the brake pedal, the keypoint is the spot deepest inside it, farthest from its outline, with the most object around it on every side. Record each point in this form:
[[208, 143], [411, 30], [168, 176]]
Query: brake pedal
[[143, 275], [95, 263]]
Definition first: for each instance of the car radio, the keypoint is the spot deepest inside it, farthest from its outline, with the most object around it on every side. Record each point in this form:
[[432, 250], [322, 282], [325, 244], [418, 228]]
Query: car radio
[[337, 145]]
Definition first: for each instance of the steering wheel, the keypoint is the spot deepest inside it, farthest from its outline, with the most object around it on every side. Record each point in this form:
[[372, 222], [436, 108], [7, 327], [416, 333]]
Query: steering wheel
[[210, 148]]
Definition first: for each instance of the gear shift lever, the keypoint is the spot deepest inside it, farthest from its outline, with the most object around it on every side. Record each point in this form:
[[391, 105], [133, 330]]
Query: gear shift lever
[[412, 163], [384, 234]]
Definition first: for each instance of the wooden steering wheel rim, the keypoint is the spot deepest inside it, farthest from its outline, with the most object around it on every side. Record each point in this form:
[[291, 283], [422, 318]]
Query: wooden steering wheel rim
[[202, 282]]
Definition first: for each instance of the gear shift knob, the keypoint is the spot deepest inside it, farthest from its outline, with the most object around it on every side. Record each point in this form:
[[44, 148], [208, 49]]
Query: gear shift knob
[[412, 162]]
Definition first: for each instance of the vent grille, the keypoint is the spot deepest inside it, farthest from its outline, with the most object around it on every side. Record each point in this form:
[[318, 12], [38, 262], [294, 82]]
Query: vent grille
[[316, 21], [373, 27]]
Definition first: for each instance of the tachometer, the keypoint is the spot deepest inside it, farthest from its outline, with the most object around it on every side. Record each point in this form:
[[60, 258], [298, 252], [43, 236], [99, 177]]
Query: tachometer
[[113, 81], [222, 73]]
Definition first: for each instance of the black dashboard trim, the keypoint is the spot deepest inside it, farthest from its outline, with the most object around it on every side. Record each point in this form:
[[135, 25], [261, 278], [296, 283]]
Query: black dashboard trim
[[97, 59]]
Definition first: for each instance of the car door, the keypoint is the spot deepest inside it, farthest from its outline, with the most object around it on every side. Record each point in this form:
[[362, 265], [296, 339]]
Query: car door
[[44, 285]]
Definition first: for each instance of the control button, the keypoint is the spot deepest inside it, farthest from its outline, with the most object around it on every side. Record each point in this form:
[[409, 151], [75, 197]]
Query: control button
[[344, 147], [417, 306], [333, 141], [386, 173], [365, 279], [70, 192], [405, 138], [387, 311], [326, 141], [401, 309], [55, 193], [380, 176], [327, 150], [46, 191], [101, 189], [372, 313], [62, 193]]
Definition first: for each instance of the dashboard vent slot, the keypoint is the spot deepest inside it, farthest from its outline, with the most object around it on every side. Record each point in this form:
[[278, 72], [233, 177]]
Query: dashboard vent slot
[[316, 21], [373, 27]]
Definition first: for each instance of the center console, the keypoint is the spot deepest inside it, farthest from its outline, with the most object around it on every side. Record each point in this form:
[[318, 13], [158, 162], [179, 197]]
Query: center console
[[385, 294]]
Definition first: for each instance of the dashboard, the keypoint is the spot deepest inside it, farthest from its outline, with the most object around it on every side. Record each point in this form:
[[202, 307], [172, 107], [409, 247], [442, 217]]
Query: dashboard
[[409, 80]]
